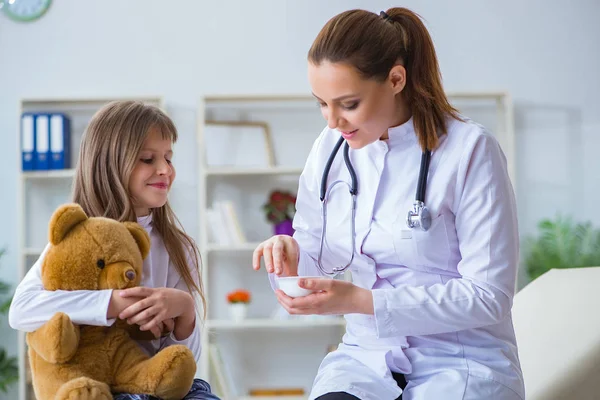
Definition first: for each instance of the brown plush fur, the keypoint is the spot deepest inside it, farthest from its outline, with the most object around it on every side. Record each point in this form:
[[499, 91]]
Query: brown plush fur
[[88, 362]]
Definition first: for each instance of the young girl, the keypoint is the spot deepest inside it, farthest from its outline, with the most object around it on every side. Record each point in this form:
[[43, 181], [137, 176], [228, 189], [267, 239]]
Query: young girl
[[428, 310], [125, 172]]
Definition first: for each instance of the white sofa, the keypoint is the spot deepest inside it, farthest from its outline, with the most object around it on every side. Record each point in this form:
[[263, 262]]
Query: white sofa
[[557, 324]]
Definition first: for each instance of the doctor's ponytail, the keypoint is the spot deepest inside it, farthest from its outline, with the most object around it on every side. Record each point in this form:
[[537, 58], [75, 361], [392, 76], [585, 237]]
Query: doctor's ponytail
[[373, 44]]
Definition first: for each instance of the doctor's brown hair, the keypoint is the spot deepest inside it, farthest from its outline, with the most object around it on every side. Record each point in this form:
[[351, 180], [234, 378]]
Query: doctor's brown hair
[[373, 44], [109, 151]]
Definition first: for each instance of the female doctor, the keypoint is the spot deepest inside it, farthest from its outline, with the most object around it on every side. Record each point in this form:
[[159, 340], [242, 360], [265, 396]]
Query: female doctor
[[429, 308]]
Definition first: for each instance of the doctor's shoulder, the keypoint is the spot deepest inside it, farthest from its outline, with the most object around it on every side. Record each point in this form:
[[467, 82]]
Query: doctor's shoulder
[[464, 135]]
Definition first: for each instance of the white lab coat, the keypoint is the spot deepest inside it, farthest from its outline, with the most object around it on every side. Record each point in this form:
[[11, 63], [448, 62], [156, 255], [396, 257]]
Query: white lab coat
[[443, 297]]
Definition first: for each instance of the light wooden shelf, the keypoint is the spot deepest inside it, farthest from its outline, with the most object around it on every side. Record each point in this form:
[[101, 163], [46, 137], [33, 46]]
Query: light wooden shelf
[[243, 171], [269, 323], [50, 174]]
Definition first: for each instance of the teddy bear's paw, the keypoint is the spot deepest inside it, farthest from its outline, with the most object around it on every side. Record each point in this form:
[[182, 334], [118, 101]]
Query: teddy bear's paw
[[84, 389], [176, 380]]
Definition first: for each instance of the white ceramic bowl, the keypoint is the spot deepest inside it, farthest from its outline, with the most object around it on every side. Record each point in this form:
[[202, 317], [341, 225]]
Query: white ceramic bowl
[[289, 285]]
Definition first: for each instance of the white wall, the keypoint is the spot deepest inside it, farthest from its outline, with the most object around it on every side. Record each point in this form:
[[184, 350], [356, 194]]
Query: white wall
[[545, 53]]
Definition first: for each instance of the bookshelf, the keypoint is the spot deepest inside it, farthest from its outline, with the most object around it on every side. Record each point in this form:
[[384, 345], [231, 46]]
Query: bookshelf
[[40, 192], [251, 348]]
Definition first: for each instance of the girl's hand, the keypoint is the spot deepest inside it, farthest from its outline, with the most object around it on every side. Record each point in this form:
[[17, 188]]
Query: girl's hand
[[281, 253], [163, 328], [332, 297], [157, 305]]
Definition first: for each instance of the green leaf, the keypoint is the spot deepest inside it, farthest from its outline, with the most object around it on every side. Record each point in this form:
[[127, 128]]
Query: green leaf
[[562, 243], [9, 371], [5, 306]]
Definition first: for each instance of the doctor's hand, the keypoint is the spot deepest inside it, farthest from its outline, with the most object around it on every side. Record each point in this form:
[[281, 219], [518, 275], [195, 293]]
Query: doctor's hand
[[332, 297], [281, 253]]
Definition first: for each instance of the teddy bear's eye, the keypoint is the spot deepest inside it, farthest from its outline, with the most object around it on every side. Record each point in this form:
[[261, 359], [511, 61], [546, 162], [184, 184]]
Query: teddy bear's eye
[[100, 263]]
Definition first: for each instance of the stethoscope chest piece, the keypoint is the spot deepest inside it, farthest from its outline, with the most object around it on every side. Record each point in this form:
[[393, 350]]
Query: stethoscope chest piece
[[419, 217]]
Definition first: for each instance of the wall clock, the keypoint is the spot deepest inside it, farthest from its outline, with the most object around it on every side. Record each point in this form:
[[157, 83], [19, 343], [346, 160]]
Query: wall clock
[[24, 10]]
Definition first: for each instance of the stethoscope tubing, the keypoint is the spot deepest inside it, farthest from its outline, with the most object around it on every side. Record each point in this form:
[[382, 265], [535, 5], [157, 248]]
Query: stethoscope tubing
[[353, 188]]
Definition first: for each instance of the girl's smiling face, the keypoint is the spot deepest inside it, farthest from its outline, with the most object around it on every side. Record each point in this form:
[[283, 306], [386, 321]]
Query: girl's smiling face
[[153, 174]]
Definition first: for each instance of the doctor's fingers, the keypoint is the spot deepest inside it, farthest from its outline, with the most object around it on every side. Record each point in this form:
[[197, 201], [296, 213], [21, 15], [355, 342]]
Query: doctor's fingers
[[257, 254], [311, 304], [268, 256], [280, 256]]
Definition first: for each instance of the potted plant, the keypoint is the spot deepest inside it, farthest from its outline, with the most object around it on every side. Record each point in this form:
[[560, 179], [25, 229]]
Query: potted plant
[[9, 371], [562, 243], [238, 304], [280, 210]]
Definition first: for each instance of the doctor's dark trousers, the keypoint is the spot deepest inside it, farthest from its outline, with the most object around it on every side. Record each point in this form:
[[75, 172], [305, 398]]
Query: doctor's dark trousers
[[399, 378]]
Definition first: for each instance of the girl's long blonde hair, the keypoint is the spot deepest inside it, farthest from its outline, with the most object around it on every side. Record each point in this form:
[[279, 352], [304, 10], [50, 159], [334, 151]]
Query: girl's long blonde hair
[[109, 151]]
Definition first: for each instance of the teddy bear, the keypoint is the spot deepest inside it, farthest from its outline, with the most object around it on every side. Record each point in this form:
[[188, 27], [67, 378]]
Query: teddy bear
[[85, 362]]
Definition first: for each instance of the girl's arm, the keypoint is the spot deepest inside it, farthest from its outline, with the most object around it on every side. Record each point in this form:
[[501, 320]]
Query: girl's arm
[[187, 327], [32, 306]]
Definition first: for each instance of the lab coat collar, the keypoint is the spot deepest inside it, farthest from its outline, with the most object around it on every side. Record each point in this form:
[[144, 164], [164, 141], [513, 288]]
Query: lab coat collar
[[402, 133]]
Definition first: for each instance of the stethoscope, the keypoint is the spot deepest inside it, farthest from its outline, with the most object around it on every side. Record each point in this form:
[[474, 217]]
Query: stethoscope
[[418, 217]]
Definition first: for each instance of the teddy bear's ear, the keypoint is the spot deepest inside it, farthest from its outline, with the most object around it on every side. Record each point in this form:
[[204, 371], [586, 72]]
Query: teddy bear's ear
[[64, 219], [140, 236]]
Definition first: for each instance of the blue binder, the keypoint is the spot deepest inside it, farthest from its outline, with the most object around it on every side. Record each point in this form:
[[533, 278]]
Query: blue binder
[[42, 141], [27, 142], [60, 141]]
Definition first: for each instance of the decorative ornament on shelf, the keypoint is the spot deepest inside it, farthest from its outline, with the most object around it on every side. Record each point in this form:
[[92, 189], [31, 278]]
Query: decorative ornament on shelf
[[238, 304], [280, 210]]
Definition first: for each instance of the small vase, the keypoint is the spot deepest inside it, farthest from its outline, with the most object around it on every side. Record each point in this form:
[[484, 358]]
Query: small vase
[[284, 228], [238, 311]]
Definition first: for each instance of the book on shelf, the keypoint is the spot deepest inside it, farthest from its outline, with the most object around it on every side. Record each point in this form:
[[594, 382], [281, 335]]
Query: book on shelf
[[224, 225], [276, 392], [45, 141], [224, 383]]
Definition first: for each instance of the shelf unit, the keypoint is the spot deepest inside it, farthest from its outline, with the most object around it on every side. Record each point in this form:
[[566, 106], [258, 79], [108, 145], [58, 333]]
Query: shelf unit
[[294, 123], [40, 192]]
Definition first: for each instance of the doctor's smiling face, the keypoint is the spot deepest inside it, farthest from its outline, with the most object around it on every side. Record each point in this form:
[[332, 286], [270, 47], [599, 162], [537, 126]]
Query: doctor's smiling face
[[362, 109]]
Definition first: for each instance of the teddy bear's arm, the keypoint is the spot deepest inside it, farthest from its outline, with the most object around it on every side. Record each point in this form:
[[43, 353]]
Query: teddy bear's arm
[[57, 340]]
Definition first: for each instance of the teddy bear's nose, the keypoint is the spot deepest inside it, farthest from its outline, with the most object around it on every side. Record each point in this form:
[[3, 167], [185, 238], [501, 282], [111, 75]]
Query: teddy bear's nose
[[130, 275]]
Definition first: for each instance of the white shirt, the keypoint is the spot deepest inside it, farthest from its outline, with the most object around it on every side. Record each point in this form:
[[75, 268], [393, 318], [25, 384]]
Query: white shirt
[[32, 306], [442, 298]]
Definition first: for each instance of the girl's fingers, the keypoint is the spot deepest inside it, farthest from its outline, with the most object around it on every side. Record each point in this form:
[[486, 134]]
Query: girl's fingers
[[169, 324], [148, 313], [138, 291], [135, 308], [153, 323]]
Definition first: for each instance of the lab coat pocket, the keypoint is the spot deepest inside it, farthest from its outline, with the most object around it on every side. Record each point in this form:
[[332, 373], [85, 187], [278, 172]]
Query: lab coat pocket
[[432, 247], [419, 250]]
